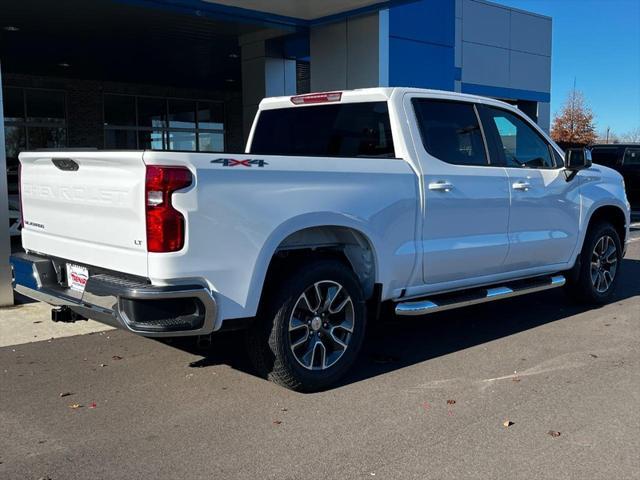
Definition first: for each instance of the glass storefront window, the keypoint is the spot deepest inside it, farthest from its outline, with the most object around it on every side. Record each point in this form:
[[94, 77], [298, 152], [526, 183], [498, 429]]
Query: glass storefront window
[[13, 100], [152, 112], [33, 118], [121, 139], [120, 110], [210, 116], [211, 142], [151, 140], [45, 106], [182, 114], [182, 141], [15, 139], [47, 137], [163, 124]]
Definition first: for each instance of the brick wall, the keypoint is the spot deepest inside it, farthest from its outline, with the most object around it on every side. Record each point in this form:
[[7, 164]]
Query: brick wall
[[85, 105]]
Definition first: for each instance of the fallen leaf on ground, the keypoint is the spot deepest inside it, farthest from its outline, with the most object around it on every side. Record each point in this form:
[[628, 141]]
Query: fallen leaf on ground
[[451, 402], [116, 357], [75, 405], [507, 423], [65, 394], [553, 433]]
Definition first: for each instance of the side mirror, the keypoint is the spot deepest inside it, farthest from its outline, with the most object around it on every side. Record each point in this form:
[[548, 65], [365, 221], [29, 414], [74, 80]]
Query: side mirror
[[577, 159]]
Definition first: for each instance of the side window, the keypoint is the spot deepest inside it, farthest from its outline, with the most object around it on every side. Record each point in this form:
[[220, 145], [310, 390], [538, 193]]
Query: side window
[[451, 131], [632, 156], [518, 144]]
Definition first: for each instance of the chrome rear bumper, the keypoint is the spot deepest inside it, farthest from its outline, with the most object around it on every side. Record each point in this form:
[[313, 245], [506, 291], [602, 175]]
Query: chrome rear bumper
[[118, 300]]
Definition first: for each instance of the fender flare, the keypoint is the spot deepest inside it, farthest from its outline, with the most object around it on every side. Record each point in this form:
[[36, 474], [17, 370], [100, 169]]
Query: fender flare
[[296, 224]]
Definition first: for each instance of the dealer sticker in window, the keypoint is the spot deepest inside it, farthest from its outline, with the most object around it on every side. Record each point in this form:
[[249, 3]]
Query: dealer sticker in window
[[77, 277]]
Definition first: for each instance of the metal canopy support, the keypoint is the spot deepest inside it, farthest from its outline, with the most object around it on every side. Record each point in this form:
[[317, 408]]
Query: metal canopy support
[[6, 291]]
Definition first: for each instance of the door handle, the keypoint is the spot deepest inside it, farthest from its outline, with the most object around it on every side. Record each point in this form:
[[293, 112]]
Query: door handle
[[521, 186], [441, 186]]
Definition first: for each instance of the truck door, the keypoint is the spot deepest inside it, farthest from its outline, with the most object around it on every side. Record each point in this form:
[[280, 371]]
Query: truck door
[[631, 173], [545, 208], [466, 198]]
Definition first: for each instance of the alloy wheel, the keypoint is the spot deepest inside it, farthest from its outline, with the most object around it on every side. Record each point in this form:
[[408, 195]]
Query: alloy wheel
[[321, 325], [604, 263]]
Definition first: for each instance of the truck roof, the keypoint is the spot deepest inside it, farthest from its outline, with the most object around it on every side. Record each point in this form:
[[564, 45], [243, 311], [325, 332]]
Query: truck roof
[[375, 94]]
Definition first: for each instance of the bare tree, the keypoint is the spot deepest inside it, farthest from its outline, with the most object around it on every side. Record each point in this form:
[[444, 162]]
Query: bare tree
[[632, 136], [607, 136], [574, 125]]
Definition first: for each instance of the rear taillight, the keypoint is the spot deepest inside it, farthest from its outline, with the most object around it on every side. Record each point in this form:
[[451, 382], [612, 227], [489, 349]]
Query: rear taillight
[[165, 225], [317, 98]]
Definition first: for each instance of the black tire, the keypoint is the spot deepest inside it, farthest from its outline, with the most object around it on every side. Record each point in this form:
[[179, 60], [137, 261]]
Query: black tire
[[269, 339], [580, 284]]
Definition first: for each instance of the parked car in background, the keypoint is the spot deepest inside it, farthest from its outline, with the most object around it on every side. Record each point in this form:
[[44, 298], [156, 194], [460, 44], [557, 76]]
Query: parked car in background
[[625, 158]]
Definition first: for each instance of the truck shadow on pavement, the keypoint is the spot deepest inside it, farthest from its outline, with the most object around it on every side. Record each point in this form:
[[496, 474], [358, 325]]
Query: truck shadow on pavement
[[397, 343]]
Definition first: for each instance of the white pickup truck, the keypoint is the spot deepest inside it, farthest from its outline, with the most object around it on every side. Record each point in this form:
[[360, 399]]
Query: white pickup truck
[[344, 203]]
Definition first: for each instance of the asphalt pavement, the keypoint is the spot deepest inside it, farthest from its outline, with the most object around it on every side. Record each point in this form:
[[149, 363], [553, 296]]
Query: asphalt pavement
[[530, 387]]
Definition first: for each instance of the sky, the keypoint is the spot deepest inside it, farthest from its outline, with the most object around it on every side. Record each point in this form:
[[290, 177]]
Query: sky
[[597, 43]]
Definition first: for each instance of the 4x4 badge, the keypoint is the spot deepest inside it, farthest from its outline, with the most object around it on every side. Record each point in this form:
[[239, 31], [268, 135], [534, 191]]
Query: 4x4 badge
[[232, 162]]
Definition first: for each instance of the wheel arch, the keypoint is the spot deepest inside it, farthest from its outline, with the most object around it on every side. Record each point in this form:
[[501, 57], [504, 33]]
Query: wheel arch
[[612, 214], [328, 234]]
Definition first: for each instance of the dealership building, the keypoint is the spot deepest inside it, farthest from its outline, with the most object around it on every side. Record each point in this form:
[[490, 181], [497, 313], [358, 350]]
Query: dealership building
[[188, 74]]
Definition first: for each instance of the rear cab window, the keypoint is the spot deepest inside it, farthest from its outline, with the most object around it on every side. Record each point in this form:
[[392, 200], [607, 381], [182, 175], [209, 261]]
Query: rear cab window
[[348, 130]]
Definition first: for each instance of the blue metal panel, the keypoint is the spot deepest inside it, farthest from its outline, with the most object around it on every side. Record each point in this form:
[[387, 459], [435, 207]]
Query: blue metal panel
[[422, 44], [431, 21], [418, 64], [506, 93]]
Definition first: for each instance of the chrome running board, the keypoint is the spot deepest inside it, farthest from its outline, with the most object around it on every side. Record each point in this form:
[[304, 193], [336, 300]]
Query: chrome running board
[[464, 298]]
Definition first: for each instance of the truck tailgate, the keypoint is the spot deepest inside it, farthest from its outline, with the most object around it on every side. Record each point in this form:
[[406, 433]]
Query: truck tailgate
[[88, 207]]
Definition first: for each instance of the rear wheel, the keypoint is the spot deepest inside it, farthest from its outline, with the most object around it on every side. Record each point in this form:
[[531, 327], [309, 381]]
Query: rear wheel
[[311, 327], [595, 276]]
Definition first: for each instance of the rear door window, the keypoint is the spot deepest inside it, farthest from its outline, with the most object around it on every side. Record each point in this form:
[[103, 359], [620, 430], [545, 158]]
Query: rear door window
[[451, 131], [338, 130]]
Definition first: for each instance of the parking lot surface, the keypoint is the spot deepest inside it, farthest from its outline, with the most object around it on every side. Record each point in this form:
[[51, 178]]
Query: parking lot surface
[[531, 387]]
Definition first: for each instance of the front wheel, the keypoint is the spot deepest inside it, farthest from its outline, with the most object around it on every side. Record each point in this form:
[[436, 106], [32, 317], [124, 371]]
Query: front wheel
[[310, 329], [595, 275]]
